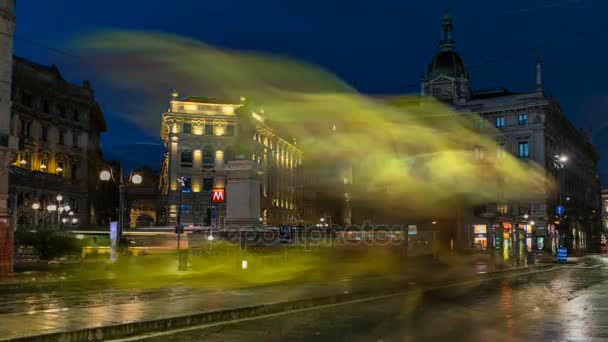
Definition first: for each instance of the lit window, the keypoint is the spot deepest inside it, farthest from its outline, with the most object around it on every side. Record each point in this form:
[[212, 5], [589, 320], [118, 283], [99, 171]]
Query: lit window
[[502, 208], [522, 119], [500, 121], [523, 151], [186, 158]]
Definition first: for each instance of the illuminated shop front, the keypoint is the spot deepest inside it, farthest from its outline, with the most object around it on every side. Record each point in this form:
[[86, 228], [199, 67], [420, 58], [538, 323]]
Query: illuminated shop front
[[480, 236]]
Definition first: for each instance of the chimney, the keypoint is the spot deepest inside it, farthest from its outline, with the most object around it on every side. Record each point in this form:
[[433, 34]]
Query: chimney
[[539, 82]]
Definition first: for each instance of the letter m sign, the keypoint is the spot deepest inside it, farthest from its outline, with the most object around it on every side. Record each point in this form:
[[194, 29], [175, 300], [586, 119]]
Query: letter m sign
[[217, 196]]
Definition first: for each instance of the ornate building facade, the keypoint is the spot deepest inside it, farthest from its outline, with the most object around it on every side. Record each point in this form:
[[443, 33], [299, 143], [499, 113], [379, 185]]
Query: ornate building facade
[[201, 135], [532, 127], [58, 124], [8, 141]]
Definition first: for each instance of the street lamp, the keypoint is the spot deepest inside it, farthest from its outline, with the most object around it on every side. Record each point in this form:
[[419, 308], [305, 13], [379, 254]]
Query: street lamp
[[35, 205], [107, 175]]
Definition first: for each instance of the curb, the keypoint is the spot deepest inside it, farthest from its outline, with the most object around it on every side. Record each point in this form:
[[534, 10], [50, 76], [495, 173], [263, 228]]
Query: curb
[[135, 328]]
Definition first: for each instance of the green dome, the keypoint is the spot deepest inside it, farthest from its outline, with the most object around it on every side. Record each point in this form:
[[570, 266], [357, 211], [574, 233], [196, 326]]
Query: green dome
[[447, 63]]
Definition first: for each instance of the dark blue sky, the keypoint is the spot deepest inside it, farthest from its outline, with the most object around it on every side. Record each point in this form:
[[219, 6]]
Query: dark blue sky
[[383, 45]]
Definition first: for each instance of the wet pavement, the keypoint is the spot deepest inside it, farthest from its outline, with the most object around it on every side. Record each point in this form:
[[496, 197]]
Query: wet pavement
[[41, 311], [567, 304]]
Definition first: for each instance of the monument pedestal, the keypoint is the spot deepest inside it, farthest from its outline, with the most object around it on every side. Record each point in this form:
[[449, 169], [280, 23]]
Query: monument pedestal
[[242, 193]]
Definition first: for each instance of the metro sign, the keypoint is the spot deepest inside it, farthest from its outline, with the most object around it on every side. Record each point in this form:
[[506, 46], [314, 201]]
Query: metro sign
[[217, 196]]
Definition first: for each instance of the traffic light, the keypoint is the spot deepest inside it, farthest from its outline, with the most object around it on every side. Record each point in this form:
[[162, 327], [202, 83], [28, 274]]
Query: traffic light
[[179, 229]]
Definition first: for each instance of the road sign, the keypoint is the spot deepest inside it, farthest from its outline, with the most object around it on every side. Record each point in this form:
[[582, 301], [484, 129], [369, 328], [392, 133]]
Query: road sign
[[213, 212], [559, 210], [562, 254]]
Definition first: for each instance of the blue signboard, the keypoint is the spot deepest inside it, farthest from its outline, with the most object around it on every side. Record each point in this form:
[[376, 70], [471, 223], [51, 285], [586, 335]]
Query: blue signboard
[[562, 254], [559, 210], [113, 239]]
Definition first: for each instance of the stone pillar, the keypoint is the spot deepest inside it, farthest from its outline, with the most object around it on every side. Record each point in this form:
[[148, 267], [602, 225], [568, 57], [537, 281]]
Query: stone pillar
[[242, 193], [8, 143]]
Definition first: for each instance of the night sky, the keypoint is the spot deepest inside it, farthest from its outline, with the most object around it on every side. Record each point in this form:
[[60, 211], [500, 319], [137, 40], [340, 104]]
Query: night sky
[[380, 46]]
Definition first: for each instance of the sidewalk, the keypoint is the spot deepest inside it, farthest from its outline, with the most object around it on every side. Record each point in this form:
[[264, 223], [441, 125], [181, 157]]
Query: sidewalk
[[118, 310]]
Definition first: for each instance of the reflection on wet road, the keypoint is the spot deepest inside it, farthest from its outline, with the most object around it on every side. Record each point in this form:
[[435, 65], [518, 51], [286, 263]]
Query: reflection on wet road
[[566, 304]]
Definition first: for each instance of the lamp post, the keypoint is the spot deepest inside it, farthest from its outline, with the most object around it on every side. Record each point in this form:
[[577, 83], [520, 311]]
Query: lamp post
[[179, 229], [106, 176], [559, 163]]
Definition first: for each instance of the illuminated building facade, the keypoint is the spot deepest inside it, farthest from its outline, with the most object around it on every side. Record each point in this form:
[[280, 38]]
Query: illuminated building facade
[[533, 128], [201, 135], [58, 124]]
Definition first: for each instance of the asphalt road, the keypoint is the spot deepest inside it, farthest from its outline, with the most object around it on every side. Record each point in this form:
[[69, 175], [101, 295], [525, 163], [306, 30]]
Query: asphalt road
[[566, 304]]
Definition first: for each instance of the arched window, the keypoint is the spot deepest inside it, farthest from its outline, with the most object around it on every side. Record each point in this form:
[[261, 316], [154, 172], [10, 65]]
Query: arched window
[[208, 155]]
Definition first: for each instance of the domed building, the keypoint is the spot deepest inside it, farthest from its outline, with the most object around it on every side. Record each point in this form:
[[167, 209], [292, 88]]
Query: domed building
[[446, 77], [532, 127]]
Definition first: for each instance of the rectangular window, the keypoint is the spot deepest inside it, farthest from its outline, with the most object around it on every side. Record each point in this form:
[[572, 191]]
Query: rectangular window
[[61, 137], [501, 151], [500, 121], [46, 106], [208, 129], [522, 119], [74, 204], [502, 208], [229, 130], [25, 128], [187, 187], [187, 128], [45, 133], [207, 184], [74, 171], [186, 158], [478, 153], [76, 115], [62, 111], [27, 99], [75, 139], [523, 151]]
